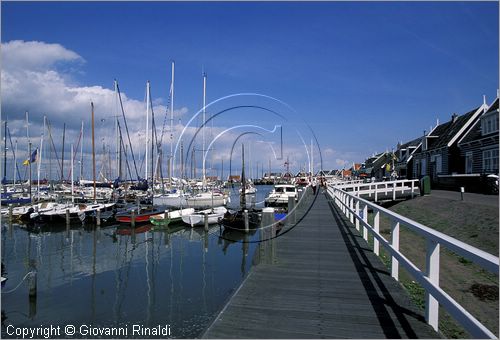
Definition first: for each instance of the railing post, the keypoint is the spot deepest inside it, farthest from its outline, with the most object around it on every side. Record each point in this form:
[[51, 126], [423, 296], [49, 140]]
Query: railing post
[[394, 191], [370, 190], [376, 195], [357, 213], [432, 266], [365, 218], [376, 226], [351, 215], [412, 188], [395, 245]]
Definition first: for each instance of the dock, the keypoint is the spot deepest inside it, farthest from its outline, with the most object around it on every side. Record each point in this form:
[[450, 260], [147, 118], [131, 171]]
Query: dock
[[324, 282]]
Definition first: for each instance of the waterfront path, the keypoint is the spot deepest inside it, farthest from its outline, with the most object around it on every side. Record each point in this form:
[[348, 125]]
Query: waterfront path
[[324, 283]]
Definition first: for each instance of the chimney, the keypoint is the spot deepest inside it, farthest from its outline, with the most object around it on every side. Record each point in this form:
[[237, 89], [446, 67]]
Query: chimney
[[454, 117]]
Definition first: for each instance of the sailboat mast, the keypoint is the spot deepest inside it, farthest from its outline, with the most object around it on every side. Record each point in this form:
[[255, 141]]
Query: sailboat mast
[[62, 156], [243, 181], [93, 151], [15, 164], [147, 131], [5, 159], [72, 184], [203, 126], [81, 155], [29, 151], [40, 157], [170, 158]]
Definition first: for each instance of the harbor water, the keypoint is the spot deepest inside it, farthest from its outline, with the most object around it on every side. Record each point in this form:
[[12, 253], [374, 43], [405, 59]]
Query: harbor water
[[113, 277]]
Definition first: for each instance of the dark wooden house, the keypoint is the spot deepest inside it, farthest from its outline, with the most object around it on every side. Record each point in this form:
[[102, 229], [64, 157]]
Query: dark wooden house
[[479, 147], [404, 154], [439, 155]]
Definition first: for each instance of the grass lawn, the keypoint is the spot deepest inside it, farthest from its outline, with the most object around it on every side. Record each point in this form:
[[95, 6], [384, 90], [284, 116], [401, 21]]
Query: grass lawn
[[472, 287]]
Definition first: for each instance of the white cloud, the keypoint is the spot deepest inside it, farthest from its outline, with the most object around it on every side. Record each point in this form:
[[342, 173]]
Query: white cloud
[[35, 55]]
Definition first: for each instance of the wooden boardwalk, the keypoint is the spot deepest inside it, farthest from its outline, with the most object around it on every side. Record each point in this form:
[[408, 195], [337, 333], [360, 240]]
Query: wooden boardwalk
[[325, 283]]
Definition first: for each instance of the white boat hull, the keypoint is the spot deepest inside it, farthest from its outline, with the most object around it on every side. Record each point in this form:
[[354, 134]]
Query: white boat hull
[[198, 219]]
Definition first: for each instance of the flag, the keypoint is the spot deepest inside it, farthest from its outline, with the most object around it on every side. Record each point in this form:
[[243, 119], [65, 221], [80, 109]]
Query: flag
[[32, 159]]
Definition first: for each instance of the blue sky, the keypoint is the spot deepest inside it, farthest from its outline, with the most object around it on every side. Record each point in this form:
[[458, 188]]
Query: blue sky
[[363, 75]]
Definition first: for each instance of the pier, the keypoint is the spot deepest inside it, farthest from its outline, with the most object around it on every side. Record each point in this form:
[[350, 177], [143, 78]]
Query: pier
[[325, 282]]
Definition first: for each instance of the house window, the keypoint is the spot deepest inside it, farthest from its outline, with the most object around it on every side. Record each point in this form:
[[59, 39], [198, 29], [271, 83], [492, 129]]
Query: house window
[[423, 167], [439, 164], [490, 160], [468, 162], [489, 124]]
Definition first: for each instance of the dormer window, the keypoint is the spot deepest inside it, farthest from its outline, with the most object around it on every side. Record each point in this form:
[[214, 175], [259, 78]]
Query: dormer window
[[489, 123]]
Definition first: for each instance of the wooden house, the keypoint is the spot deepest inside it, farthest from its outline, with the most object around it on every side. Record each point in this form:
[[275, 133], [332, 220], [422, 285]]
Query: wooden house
[[439, 155], [379, 166], [404, 155], [479, 146]]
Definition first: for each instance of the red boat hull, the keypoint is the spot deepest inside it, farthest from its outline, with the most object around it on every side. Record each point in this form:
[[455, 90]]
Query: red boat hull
[[138, 230], [141, 218]]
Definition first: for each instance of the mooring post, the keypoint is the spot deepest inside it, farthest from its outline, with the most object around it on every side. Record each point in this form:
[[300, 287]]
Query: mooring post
[[10, 213], [33, 280], [291, 209], [205, 241], [245, 219], [98, 217], [32, 292], [132, 219], [462, 190], [67, 217], [267, 217], [206, 221]]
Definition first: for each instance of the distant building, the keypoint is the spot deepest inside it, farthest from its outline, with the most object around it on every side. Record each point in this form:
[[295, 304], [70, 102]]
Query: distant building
[[234, 179], [404, 155], [379, 166]]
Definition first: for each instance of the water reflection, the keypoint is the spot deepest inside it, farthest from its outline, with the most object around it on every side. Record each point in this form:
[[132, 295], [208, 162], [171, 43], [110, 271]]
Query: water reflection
[[112, 276]]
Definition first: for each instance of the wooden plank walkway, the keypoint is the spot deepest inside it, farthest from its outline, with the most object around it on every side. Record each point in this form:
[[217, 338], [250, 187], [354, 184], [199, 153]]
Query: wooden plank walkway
[[325, 283]]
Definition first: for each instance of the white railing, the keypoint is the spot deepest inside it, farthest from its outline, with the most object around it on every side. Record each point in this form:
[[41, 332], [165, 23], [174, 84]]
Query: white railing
[[356, 210], [376, 189]]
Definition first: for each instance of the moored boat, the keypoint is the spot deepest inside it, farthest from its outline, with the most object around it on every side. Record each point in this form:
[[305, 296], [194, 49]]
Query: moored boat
[[142, 215], [206, 199], [198, 218], [170, 217], [279, 195]]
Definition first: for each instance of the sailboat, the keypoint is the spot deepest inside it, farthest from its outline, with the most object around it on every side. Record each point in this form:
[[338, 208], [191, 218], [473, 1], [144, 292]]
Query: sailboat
[[213, 197], [175, 197], [236, 220]]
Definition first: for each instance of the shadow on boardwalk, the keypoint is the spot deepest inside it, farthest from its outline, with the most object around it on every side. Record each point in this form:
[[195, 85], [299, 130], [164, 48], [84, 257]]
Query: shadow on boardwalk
[[324, 283]]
